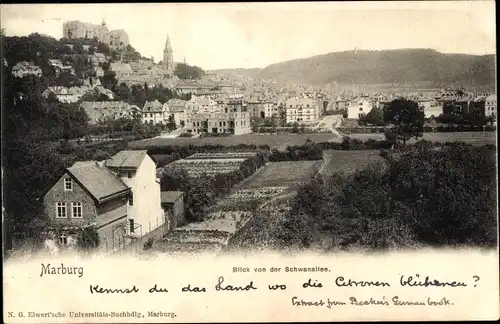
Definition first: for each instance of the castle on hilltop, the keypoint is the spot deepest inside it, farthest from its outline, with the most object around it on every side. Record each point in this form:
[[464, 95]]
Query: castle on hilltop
[[117, 38]]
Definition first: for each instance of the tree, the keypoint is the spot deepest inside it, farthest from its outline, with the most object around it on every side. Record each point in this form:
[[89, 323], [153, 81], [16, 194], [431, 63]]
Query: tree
[[407, 117], [255, 123], [108, 80], [78, 49], [88, 239], [375, 117], [103, 48], [171, 123], [186, 71]]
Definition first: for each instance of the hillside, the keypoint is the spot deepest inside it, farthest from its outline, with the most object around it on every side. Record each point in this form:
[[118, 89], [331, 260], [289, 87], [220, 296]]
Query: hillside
[[382, 67]]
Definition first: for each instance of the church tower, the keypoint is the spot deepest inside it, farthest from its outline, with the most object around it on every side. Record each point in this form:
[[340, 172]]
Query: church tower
[[168, 59]]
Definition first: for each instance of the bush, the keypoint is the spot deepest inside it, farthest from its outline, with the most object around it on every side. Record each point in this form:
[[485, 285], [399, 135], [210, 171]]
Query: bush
[[88, 238], [385, 153], [309, 151], [186, 135], [149, 244], [425, 197]]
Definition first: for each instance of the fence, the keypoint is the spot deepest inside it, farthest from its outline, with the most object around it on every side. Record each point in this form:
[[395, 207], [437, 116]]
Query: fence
[[137, 244]]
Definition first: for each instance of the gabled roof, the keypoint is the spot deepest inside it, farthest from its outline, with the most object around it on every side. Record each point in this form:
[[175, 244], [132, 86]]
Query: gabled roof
[[120, 67], [170, 197], [152, 106], [127, 159], [492, 97], [99, 181]]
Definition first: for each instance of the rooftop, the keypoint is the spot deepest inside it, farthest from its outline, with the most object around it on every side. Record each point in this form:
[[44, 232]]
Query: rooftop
[[99, 181], [170, 197], [111, 216], [127, 159]]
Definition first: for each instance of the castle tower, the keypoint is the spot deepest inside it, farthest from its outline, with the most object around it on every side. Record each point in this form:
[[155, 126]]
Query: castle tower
[[168, 58]]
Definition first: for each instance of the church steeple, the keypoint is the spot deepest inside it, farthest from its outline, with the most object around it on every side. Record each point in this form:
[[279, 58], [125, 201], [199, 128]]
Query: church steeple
[[168, 58], [168, 47]]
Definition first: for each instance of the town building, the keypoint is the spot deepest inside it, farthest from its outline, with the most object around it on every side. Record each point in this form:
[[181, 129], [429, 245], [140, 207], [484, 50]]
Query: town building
[[358, 107], [193, 86], [67, 95], [101, 111], [177, 107], [302, 109], [154, 112], [23, 68], [262, 108], [236, 123], [202, 104], [491, 106], [59, 67], [98, 59]]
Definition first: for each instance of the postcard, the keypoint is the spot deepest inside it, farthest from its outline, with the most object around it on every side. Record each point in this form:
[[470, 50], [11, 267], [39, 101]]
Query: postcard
[[249, 162]]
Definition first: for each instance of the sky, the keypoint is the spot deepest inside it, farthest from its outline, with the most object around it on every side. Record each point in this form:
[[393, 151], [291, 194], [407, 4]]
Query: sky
[[249, 35]]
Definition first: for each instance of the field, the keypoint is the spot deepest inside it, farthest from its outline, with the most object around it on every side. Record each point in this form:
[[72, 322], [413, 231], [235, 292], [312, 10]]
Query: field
[[283, 174], [279, 141], [474, 138], [210, 163], [348, 161]]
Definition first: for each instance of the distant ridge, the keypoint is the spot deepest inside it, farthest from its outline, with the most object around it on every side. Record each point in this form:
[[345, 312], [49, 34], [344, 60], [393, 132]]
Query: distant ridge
[[381, 67]]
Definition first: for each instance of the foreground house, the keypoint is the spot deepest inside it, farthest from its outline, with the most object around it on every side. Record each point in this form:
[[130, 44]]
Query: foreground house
[[88, 194], [138, 171], [119, 198]]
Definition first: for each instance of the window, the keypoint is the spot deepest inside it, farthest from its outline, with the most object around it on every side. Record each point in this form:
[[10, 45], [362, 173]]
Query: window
[[63, 240], [61, 210], [76, 209], [129, 174], [131, 200], [360, 109], [68, 184], [131, 223]]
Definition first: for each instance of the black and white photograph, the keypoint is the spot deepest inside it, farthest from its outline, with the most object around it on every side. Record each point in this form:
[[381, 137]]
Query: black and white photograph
[[159, 130]]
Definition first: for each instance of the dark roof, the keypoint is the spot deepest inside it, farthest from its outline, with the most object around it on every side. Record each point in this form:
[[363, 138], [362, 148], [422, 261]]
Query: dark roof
[[99, 181], [170, 197], [111, 216], [127, 159]]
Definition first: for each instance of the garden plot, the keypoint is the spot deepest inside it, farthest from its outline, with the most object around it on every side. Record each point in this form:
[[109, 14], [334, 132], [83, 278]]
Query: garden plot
[[209, 235], [211, 163], [248, 199], [196, 168], [283, 174], [224, 155], [222, 221], [257, 193]]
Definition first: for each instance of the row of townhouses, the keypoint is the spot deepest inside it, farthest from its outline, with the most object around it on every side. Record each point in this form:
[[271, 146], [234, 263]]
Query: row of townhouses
[[433, 105]]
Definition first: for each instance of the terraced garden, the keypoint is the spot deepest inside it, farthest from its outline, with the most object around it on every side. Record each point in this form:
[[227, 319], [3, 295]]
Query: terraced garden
[[211, 163], [283, 174], [240, 213]]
